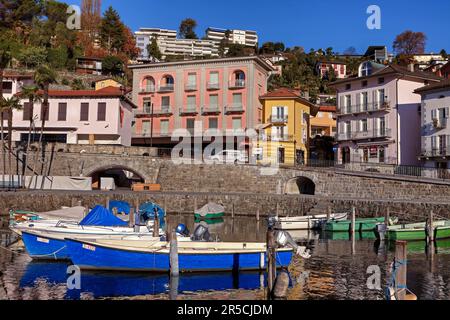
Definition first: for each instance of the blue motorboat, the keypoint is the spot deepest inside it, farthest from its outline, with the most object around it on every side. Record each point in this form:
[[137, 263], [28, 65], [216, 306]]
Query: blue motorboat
[[44, 247], [142, 255]]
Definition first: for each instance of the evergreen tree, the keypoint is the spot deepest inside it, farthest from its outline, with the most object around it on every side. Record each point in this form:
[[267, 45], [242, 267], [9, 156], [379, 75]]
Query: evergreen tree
[[112, 31], [153, 49], [187, 29]]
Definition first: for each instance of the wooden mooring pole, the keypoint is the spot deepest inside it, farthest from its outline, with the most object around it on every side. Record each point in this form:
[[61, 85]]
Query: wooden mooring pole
[[329, 214], [156, 223], [257, 215], [387, 216], [174, 267], [131, 221], [401, 269], [353, 222], [271, 262], [430, 227]]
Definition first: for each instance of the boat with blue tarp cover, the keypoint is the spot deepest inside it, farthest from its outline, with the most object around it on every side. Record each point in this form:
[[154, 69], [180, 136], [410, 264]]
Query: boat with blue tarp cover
[[141, 255]]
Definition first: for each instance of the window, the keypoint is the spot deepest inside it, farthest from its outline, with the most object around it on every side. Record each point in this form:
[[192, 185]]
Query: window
[[214, 101], [149, 85], [190, 125], [363, 125], [213, 123], [348, 86], [380, 80], [191, 102], [84, 112], [347, 103], [214, 78], [237, 123], [364, 101], [62, 111], [147, 106], [101, 111], [164, 127], [7, 87], [165, 101], [237, 99], [146, 128], [26, 112], [279, 113], [192, 79], [365, 69], [44, 112], [382, 125]]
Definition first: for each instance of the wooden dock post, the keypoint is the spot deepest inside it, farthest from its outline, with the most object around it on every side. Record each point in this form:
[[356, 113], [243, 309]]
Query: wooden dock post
[[195, 204], [156, 224], [271, 262], [232, 211], [387, 216], [329, 214], [257, 215], [353, 222], [430, 228], [174, 267], [278, 209], [165, 205], [131, 221], [173, 287], [401, 265]]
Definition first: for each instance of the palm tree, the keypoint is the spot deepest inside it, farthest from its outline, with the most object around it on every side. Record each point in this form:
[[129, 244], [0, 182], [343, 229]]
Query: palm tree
[[5, 59], [33, 95], [43, 77], [9, 105]]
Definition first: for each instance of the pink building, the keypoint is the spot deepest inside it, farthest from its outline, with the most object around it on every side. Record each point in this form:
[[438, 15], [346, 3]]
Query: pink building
[[79, 117], [379, 115], [220, 93], [324, 66]]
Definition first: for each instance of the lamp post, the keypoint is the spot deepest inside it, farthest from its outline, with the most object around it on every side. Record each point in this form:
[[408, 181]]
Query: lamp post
[[151, 125]]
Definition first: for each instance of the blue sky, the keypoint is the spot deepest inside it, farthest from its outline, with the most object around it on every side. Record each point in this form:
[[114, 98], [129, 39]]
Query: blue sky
[[310, 24]]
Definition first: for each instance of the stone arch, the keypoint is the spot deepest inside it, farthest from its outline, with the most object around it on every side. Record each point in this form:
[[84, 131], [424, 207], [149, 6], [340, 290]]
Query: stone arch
[[123, 176], [301, 185]]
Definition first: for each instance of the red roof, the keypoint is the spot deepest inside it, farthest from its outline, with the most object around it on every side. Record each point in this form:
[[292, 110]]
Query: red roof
[[282, 93], [105, 92], [327, 108], [17, 75]]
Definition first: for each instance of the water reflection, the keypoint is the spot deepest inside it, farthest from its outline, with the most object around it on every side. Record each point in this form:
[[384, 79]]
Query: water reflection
[[337, 269]]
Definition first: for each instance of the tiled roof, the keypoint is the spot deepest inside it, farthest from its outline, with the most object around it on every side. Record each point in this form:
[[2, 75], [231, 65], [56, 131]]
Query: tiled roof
[[105, 92], [444, 84], [17, 74], [282, 93], [327, 108]]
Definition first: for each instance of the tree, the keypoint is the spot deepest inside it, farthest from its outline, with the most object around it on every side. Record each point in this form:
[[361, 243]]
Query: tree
[[5, 59], [279, 46], [32, 94], [267, 48], [187, 29], [350, 51], [112, 31], [8, 106], [444, 54], [236, 50], [32, 57], [43, 77], [153, 49], [410, 43], [112, 66]]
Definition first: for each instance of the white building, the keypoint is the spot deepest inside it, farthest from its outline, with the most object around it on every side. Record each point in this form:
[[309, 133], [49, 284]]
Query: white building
[[245, 37], [436, 125], [78, 117]]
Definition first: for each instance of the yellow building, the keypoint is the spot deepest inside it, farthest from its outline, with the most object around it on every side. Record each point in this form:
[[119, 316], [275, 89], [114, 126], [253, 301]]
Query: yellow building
[[104, 83], [285, 132], [324, 123]]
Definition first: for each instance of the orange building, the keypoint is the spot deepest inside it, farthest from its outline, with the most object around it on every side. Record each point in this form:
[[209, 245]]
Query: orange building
[[324, 123]]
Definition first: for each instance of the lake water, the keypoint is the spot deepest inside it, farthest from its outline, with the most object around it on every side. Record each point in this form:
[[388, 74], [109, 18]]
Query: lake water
[[337, 270]]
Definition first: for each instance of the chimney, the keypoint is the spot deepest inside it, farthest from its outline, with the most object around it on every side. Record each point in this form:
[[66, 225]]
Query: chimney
[[411, 67]]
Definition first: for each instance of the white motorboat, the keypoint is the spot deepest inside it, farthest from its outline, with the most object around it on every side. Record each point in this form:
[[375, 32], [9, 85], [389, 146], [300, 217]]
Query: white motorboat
[[307, 222]]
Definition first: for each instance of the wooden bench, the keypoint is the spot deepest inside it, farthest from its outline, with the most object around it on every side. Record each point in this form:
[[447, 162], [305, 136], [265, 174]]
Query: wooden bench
[[139, 187]]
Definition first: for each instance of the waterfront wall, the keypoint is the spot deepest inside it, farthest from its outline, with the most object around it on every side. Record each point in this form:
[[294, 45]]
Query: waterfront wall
[[242, 204]]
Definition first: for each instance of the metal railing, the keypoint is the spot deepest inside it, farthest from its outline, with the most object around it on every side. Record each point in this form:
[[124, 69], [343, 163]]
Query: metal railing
[[163, 110], [150, 89], [277, 138], [213, 86], [236, 84], [364, 107], [234, 108], [188, 110], [210, 109], [362, 135], [440, 123], [166, 88], [190, 87], [279, 119], [438, 152]]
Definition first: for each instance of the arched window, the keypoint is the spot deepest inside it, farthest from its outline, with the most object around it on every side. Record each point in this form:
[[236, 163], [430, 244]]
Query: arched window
[[365, 69], [149, 84], [167, 83], [238, 79]]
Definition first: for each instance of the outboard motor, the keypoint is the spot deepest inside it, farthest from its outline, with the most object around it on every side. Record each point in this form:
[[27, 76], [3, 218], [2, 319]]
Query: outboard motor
[[201, 233], [284, 239], [272, 221], [182, 230]]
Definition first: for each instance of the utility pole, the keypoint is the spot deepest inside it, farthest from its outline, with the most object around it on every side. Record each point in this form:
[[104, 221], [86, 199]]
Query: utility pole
[[151, 125]]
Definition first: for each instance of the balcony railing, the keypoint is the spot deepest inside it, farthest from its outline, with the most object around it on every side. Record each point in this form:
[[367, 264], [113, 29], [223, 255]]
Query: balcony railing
[[188, 110], [236, 84], [163, 110], [279, 119], [439, 152], [210, 110], [277, 138], [166, 88], [143, 112], [151, 89], [363, 135], [213, 86], [234, 108], [190, 87], [148, 134], [364, 108]]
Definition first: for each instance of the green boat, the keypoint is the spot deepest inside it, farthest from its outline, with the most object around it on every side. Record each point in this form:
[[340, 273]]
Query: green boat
[[366, 235], [441, 246], [210, 211], [417, 231], [368, 224]]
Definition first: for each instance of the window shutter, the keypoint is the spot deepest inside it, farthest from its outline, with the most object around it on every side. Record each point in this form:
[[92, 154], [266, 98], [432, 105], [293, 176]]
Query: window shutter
[[62, 111], [434, 114], [341, 103], [26, 111], [84, 112], [101, 111], [446, 113]]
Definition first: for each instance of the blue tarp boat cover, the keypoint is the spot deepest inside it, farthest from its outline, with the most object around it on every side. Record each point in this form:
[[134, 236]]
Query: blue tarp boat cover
[[147, 212], [122, 207], [100, 216]]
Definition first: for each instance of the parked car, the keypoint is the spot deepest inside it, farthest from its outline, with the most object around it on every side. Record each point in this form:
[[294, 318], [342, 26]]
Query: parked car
[[230, 156]]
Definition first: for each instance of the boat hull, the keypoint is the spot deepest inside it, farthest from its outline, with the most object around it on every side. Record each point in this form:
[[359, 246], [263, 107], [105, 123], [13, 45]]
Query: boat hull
[[91, 256], [417, 235], [360, 225], [44, 248], [209, 216]]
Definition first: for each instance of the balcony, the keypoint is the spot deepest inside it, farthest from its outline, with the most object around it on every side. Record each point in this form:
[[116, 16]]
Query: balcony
[[234, 108], [440, 123], [148, 134], [163, 111], [364, 108], [188, 111], [236, 84], [277, 138], [147, 90], [213, 86], [190, 87], [278, 119], [144, 112], [364, 135], [206, 110], [437, 153], [166, 88]]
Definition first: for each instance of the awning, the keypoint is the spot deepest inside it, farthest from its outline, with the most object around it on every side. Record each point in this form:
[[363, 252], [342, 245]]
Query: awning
[[374, 144]]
